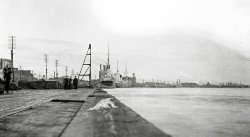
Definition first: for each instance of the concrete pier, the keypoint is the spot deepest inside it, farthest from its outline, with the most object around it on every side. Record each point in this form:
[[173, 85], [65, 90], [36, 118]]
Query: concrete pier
[[66, 113]]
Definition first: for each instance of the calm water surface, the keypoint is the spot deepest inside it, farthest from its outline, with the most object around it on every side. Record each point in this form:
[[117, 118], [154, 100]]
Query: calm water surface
[[189, 112]]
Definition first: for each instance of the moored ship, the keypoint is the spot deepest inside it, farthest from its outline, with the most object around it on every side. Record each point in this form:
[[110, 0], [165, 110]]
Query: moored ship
[[106, 76], [118, 78]]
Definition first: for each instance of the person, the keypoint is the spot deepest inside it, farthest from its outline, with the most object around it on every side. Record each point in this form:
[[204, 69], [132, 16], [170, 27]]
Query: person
[[7, 76], [70, 83], [65, 83], [1, 86], [75, 82]]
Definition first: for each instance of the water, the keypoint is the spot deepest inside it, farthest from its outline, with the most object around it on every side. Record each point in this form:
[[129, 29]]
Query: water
[[192, 112]]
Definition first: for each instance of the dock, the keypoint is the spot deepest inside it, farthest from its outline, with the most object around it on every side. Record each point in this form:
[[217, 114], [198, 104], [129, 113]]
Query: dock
[[70, 113]]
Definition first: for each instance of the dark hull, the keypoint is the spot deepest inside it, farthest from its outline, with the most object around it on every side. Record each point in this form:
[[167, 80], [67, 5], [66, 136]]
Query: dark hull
[[118, 85], [107, 84]]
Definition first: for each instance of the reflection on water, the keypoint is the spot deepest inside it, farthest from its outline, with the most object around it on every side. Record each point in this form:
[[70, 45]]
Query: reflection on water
[[188, 112]]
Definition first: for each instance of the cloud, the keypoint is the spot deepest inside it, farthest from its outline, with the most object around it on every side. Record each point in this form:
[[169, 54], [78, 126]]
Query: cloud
[[224, 19], [189, 56], [162, 39]]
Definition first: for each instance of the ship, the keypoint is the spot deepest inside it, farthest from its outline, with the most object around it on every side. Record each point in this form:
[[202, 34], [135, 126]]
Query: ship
[[106, 76], [118, 78]]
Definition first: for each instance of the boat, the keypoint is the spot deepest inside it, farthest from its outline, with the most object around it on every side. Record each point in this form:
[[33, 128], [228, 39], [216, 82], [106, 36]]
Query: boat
[[106, 76], [118, 78]]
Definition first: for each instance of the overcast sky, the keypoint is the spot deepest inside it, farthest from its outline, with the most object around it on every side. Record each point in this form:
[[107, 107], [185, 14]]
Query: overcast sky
[[194, 40]]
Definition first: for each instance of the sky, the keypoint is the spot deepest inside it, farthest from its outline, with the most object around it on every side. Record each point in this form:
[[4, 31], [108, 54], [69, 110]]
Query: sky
[[165, 40]]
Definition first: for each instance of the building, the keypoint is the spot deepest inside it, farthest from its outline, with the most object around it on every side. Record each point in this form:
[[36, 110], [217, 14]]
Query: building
[[23, 75], [3, 63], [189, 85], [133, 80], [18, 74], [129, 81]]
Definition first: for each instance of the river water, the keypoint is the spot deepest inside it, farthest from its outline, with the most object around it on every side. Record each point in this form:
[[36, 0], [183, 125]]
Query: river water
[[191, 112]]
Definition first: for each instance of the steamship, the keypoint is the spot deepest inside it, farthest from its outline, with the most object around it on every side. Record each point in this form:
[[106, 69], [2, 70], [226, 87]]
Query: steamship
[[106, 76]]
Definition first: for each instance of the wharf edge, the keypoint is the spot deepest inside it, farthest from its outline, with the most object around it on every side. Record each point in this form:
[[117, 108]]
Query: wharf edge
[[76, 113]]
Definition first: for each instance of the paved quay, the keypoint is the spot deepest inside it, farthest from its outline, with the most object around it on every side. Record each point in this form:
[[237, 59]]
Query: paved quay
[[70, 113]]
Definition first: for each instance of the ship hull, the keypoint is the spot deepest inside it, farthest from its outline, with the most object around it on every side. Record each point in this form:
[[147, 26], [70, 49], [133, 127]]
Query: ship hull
[[118, 85], [107, 84]]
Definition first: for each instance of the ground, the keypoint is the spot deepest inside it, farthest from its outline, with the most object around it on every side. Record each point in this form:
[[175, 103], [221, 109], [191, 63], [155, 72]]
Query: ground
[[76, 113]]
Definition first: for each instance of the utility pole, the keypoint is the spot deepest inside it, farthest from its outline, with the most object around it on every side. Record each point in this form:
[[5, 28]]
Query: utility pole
[[12, 46], [46, 63], [57, 65], [108, 55], [72, 73], [66, 69], [20, 72], [248, 60]]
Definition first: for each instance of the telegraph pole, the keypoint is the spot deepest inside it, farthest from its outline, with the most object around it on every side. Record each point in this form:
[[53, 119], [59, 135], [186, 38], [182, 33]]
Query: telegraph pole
[[12, 46], [46, 63], [20, 72], [66, 69], [248, 60], [57, 64], [72, 72]]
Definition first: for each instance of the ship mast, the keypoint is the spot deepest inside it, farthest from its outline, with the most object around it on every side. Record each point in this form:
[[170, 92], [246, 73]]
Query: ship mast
[[108, 53], [126, 70], [117, 67]]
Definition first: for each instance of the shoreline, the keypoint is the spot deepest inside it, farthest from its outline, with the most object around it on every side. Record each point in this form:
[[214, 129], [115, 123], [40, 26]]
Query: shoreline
[[85, 112]]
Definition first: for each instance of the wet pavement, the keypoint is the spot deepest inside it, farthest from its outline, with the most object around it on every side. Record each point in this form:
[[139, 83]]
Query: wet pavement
[[23, 99], [65, 113]]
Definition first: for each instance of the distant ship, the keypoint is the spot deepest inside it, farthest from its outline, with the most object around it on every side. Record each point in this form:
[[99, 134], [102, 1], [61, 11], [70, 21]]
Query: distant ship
[[118, 78], [106, 76]]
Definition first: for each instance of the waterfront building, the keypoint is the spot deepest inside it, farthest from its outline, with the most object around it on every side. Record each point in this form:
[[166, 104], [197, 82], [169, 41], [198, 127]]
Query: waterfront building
[[149, 84], [129, 81], [133, 80], [190, 85], [59, 79], [3, 63], [18, 74], [178, 83], [24, 75]]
